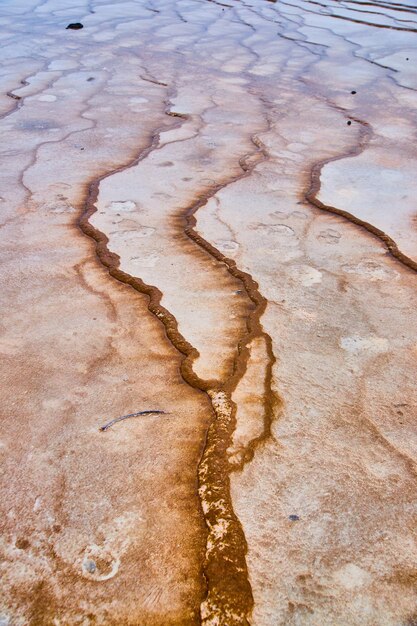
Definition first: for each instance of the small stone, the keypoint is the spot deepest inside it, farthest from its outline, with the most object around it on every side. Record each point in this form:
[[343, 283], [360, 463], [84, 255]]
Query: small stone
[[89, 566], [353, 92], [349, 122], [74, 26], [293, 518]]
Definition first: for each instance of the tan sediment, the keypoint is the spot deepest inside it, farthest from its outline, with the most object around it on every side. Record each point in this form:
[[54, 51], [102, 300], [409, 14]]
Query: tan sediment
[[331, 430], [229, 597], [74, 338], [311, 196]]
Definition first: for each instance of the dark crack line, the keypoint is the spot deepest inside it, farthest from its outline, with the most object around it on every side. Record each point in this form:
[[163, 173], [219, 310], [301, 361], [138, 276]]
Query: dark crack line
[[311, 196]]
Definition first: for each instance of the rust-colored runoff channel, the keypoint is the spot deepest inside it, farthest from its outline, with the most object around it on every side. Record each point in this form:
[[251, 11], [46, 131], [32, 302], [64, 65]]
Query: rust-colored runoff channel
[[229, 598]]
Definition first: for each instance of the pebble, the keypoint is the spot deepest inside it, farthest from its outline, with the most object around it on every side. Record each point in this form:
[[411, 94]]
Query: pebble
[[89, 566]]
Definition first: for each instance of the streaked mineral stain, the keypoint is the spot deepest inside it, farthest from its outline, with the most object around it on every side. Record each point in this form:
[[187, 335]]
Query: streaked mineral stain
[[208, 223]]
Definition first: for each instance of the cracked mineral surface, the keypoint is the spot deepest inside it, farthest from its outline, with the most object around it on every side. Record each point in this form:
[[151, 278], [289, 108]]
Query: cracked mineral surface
[[208, 247]]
